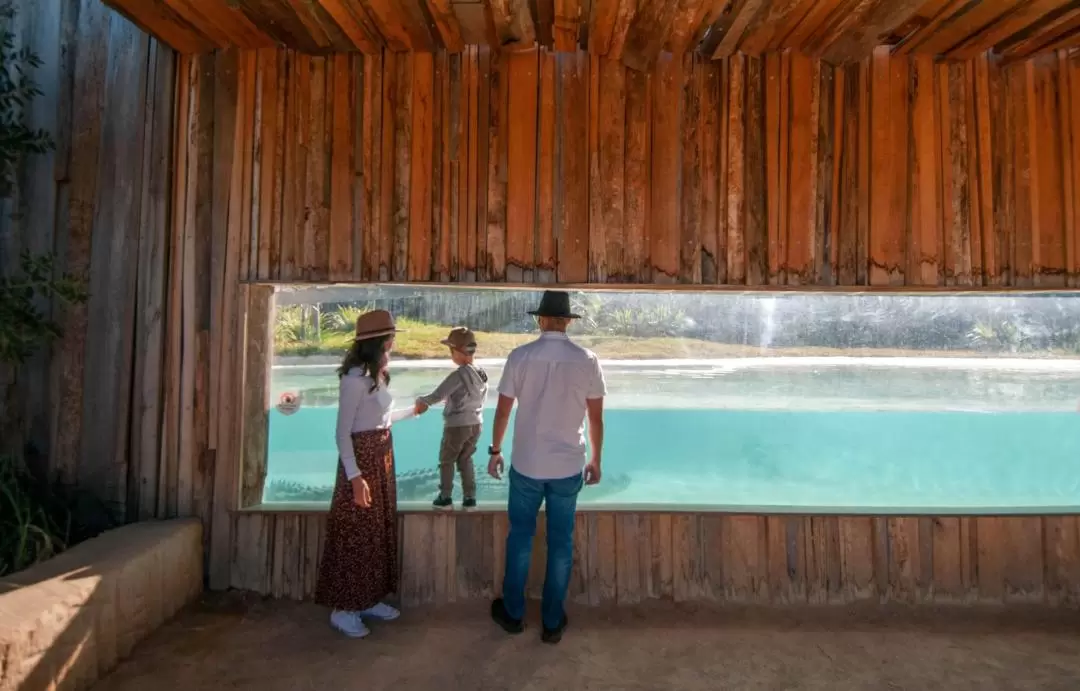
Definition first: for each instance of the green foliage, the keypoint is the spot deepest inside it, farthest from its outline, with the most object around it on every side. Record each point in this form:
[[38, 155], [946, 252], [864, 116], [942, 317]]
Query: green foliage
[[24, 326], [17, 90], [34, 525], [37, 517]]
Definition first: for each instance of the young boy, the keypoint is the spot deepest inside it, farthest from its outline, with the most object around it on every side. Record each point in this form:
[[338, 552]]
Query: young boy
[[464, 392]]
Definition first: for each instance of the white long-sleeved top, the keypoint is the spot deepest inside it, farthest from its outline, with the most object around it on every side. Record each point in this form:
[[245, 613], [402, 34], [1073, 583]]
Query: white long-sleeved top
[[360, 410]]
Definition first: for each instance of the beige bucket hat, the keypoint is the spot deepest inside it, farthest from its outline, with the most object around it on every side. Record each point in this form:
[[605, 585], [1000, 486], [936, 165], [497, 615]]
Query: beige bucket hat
[[461, 338]]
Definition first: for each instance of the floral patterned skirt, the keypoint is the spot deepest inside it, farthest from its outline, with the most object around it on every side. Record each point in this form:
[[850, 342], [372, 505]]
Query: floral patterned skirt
[[359, 566]]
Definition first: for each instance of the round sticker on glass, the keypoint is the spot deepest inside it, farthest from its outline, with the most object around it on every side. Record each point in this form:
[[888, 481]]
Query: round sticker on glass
[[288, 403]]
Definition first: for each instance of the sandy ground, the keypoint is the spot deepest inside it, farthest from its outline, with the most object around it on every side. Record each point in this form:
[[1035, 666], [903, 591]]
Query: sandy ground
[[236, 642]]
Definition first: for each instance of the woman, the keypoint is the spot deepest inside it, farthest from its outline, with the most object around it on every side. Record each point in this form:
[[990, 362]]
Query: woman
[[360, 563]]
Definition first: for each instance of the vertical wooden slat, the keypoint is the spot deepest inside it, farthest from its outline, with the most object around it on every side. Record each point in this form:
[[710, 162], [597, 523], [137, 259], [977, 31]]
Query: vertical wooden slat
[[497, 133], [689, 235], [923, 258], [736, 171], [637, 167], [421, 167], [612, 125], [341, 169], [401, 105], [756, 233], [688, 565], [856, 535], [889, 183], [597, 245], [710, 114], [267, 148], [664, 228], [546, 148], [442, 196], [523, 71], [572, 206]]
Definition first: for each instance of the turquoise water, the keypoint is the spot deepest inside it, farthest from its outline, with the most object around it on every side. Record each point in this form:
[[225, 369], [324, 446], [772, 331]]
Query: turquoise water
[[780, 436]]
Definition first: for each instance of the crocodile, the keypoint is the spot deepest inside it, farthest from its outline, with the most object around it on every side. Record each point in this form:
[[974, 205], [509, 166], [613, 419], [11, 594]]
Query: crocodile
[[423, 484]]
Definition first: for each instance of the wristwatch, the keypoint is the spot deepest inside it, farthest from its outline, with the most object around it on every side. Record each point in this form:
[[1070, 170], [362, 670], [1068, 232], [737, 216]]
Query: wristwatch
[[494, 451]]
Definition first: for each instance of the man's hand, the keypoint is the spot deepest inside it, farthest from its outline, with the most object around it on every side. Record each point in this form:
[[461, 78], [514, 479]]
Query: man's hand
[[592, 472], [361, 492], [495, 466], [421, 407]]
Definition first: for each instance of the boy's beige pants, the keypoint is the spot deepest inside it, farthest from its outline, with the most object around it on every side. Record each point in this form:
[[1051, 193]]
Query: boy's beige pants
[[456, 451]]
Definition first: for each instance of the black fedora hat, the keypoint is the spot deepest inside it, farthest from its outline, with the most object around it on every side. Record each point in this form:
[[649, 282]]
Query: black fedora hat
[[555, 303]]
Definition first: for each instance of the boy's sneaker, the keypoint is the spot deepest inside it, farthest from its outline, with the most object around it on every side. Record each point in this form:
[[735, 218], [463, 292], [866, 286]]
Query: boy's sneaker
[[469, 503], [442, 503]]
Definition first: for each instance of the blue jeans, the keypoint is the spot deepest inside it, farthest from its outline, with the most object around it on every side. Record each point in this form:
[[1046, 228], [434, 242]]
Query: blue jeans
[[526, 495]]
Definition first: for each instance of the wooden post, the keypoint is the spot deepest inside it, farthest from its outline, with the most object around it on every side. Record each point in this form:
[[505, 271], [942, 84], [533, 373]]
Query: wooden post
[[255, 426]]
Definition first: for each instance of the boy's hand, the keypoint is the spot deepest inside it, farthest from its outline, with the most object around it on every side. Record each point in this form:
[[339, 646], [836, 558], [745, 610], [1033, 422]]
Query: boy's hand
[[421, 407]]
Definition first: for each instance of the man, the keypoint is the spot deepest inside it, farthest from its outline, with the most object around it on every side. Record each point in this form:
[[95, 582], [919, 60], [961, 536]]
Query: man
[[556, 383]]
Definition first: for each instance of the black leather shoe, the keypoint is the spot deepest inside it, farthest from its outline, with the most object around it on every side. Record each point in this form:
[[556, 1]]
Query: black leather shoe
[[553, 636], [508, 623]]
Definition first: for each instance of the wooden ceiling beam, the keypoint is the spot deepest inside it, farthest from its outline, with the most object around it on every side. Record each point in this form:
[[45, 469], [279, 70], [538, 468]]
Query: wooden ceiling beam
[[1043, 35], [648, 32], [972, 20], [625, 16], [321, 27], [393, 20], [602, 25], [1008, 25], [280, 21], [566, 29], [771, 22], [861, 38], [745, 14], [221, 23], [472, 20], [929, 19], [688, 17], [799, 15], [446, 21], [514, 28], [355, 24], [162, 22], [815, 26]]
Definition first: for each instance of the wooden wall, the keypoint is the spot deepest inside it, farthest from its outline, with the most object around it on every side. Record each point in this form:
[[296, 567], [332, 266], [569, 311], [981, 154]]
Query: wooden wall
[[626, 558], [541, 167], [181, 182], [88, 407], [535, 167]]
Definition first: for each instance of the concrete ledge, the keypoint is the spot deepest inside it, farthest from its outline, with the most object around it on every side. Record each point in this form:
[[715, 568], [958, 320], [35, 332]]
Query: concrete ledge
[[68, 621]]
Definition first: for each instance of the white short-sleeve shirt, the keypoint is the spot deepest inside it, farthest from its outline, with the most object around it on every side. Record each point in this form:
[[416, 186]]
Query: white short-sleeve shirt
[[551, 378]]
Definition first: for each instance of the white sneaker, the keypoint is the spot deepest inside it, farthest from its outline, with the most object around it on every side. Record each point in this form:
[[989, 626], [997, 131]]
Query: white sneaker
[[382, 612], [348, 623]]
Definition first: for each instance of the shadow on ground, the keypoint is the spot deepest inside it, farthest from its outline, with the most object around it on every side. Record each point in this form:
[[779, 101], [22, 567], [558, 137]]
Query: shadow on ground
[[236, 641]]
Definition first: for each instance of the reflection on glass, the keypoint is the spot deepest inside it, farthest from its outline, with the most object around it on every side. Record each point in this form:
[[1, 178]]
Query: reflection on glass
[[811, 401]]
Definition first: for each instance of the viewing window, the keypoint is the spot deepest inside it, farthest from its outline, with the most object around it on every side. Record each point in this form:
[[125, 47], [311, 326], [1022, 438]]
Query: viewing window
[[802, 402]]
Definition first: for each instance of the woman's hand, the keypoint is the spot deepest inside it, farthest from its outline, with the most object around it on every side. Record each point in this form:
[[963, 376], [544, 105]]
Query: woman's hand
[[361, 492], [421, 407]]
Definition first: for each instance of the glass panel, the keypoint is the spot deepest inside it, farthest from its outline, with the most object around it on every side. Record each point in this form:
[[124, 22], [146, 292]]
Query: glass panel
[[927, 403]]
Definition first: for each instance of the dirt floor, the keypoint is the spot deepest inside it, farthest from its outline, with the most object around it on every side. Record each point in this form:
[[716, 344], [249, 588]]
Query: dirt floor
[[236, 642]]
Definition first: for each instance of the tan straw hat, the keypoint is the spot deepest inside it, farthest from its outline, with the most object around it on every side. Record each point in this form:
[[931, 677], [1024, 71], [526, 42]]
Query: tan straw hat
[[374, 324], [461, 338]]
